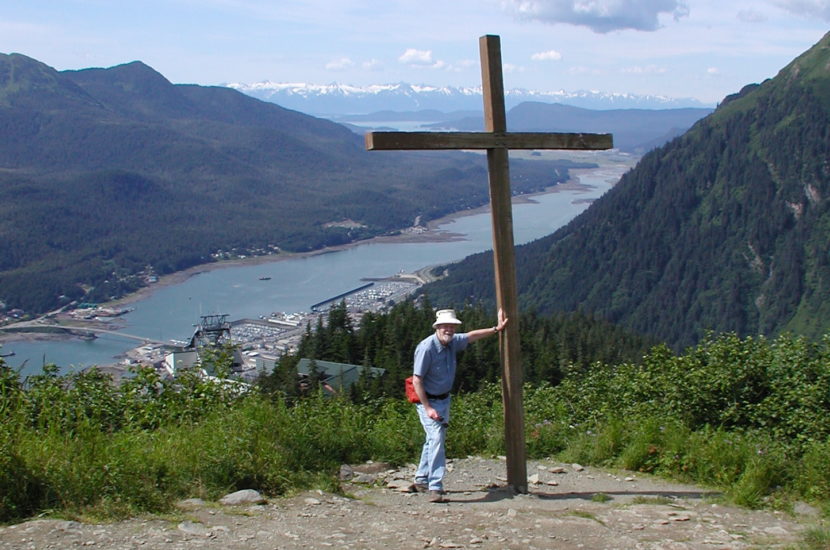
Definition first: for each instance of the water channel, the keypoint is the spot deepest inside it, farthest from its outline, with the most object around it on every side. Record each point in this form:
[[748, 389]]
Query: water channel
[[245, 291]]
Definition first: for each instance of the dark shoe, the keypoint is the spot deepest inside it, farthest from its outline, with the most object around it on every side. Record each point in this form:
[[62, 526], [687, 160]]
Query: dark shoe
[[437, 496], [420, 488]]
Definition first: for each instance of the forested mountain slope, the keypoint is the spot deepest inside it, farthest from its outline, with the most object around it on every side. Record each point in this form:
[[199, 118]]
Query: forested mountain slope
[[107, 172], [726, 228]]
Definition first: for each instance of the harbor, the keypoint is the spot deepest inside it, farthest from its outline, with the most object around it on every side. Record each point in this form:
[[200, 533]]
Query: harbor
[[260, 341]]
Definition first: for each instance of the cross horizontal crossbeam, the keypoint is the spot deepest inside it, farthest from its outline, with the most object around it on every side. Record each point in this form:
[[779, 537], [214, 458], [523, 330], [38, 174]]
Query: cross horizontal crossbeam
[[387, 141]]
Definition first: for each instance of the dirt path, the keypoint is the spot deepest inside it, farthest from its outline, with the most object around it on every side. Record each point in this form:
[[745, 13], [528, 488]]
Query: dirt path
[[561, 511]]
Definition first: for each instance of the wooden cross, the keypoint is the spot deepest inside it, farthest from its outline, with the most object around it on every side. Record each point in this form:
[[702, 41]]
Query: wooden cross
[[497, 141]]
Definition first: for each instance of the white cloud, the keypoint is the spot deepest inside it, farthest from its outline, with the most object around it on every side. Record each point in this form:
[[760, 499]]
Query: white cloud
[[713, 71], [416, 57], [600, 16], [422, 59], [340, 64], [550, 55], [807, 8]]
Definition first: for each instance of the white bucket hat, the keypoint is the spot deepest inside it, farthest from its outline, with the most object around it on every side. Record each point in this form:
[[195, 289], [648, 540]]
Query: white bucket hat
[[445, 317]]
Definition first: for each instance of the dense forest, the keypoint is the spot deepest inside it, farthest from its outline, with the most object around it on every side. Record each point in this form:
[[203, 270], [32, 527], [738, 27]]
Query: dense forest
[[552, 347], [110, 175], [723, 229]]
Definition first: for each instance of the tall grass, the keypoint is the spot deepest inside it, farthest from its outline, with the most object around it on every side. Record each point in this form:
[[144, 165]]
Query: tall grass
[[79, 445], [745, 415]]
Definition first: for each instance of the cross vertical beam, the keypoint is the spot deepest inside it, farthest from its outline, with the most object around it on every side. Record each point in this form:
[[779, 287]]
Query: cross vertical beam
[[497, 142], [501, 211]]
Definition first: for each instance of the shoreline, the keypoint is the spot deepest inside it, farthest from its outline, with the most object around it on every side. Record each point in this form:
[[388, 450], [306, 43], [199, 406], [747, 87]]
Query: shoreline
[[432, 233]]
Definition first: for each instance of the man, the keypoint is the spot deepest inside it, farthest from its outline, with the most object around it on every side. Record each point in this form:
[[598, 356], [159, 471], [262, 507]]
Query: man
[[433, 376]]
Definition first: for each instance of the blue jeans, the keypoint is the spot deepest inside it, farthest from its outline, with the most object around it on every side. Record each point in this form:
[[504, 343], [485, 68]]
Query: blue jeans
[[433, 456]]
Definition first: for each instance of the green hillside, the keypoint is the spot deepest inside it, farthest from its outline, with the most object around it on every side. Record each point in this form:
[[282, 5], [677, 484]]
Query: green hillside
[[725, 228], [108, 174]]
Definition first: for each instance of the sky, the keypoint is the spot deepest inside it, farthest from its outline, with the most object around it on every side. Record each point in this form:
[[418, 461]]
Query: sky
[[701, 49]]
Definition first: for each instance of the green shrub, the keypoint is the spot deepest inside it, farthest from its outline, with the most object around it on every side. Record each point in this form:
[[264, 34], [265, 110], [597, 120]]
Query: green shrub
[[70, 465], [644, 448], [599, 445], [321, 434], [760, 477], [396, 435], [238, 448], [580, 447], [797, 401], [476, 423], [813, 475], [546, 422], [19, 487]]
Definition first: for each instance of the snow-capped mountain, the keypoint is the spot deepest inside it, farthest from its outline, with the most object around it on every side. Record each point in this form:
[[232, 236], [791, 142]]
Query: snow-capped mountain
[[342, 99]]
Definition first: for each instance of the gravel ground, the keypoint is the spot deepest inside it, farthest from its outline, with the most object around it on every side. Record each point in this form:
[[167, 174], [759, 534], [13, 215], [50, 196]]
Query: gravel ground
[[561, 510]]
